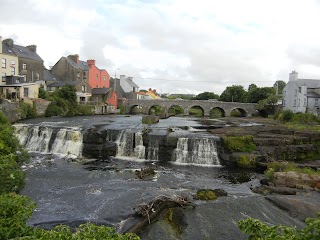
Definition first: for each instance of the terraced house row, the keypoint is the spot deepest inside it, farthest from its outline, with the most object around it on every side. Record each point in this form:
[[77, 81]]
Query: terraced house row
[[23, 74]]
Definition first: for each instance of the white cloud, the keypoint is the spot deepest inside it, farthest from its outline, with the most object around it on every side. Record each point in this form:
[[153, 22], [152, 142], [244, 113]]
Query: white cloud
[[206, 44]]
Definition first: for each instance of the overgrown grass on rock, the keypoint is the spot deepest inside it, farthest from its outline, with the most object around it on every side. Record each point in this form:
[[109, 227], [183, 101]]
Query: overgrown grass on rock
[[239, 144]]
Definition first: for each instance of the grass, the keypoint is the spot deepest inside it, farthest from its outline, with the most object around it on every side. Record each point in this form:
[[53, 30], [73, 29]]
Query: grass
[[239, 144]]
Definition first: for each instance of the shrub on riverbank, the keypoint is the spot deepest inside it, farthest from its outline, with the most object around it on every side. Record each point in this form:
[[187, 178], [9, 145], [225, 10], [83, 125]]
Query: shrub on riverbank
[[260, 230], [246, 161]]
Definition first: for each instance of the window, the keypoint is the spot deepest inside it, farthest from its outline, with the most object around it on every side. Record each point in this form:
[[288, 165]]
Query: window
[[3, 77], [4, 63], [316, 102], [83, 88], [24, 66], [37, 76], [299, 103], [97, 76], [104, 78], [299, 89], [12, 71], [294, 102], [26, 92], [78, 75], [82, 99], [305, 102]]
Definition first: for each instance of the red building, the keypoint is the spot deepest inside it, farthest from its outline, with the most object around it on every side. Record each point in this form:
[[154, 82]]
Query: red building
[[98, 78]]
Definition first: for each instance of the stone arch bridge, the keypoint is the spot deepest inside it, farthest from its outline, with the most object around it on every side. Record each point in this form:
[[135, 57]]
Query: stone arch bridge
[[145, 106]]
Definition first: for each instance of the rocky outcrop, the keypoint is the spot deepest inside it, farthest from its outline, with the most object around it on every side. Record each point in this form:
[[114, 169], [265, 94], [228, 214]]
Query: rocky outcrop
[[296, 180]]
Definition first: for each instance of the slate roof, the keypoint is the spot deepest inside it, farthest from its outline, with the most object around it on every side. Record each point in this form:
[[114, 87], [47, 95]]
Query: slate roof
[[81, 65], [313, 94], [130, 81], [48, 76], [310, 83], [62, 83], [100, 91], [20, 51]]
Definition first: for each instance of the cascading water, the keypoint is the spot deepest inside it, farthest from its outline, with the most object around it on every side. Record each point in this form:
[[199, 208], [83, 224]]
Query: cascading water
[[130, 144], [153, 149], [196, 151], [68, 142], [34, 138], [41, 139]]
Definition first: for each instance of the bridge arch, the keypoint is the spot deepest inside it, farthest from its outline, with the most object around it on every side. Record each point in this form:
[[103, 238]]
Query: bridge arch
[[238, 112], [217, 112], [196, 110], [135, 109], [175, 109], [156, 109]]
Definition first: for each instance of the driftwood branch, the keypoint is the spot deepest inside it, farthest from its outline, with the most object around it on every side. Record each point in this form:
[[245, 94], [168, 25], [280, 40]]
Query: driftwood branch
[[151, 212]]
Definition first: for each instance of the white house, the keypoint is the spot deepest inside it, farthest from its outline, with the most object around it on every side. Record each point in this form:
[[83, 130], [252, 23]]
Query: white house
[[301, 95], [128, 85]]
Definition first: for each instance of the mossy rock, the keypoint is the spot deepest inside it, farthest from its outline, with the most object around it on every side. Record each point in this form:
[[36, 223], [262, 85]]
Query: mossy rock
[[150, 119], [206, 195]]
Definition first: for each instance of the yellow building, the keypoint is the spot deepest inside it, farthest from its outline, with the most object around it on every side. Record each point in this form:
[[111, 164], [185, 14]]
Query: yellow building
[[9, 65]]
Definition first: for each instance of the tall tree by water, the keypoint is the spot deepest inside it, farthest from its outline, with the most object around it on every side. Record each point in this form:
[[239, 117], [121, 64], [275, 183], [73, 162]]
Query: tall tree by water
[[235, 93]]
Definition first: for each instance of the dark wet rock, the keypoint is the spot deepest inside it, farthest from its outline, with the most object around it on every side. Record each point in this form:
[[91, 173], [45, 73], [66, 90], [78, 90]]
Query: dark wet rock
[[300, 206], [145, 172], [266, 190], [150, 119]]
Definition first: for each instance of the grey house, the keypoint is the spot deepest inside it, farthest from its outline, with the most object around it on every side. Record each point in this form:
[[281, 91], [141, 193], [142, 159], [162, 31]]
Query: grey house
[[30, 63], [301, 95]]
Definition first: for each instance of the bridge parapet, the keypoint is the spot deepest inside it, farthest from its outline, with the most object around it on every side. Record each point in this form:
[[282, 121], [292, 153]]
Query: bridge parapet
[[206, 105]]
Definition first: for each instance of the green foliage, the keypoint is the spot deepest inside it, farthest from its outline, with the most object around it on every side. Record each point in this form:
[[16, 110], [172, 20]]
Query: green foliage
[[176, 110], [216, 113], [43, 93], [239, 144], [196, 111], [11, 176], [288, 167], [257, 94], [83, 232], [285, 116], [156, 110], [235, 93], [27, 111], [14, 212], [206, 194], [122, 109], [246, 161], [267, 103], [206, 96], [262, 231], [235, 113], [85, 110], [281, 84]]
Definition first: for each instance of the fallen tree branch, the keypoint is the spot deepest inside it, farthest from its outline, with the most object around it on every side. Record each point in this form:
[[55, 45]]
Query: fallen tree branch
[[151, 212]]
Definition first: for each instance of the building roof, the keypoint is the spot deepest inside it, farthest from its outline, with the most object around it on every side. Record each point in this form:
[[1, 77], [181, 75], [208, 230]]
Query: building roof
[[49, 76], [313, 95], [62, 83], [100, 91], [130, 81], [81, 65], [20, 51], [310, 83]]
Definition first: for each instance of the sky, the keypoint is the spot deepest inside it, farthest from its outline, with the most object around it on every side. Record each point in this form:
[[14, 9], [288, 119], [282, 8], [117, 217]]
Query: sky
[[175, 46]]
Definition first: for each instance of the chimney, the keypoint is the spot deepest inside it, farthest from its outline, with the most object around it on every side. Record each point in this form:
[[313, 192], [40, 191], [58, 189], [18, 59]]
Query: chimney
[[33, 48], [8, 41], [0, 44], [74, 58], [293, 76], [91, 62]]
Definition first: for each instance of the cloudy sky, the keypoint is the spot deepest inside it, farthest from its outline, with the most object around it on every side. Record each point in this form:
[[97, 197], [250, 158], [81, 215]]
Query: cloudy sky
[[175, 46]]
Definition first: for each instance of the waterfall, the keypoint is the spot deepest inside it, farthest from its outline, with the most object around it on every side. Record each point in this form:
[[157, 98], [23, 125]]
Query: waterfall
[[153, 149], [196, 151], [68, 142], [130, 144], [140, 150], [34, 138], [41, 139]]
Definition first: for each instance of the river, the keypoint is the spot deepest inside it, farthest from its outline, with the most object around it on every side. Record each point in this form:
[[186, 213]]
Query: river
[[71, 188]]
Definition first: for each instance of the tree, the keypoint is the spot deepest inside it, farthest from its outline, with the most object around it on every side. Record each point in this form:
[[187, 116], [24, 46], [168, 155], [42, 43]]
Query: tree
[[281, 84], [206, 96], [235, 93], [257, 94], [251, 87]]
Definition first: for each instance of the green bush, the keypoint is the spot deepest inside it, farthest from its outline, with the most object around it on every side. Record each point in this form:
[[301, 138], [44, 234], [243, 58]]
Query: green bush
[[14, 212], [85, 110], [239, 144], [27, 110], [216, 113], [246, 161], [11, 176], [305, 118], [262, 231], [235, 113]]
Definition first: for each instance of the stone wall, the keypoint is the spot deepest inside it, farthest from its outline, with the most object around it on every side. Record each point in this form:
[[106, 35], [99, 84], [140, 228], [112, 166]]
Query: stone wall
[[11, 110]]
